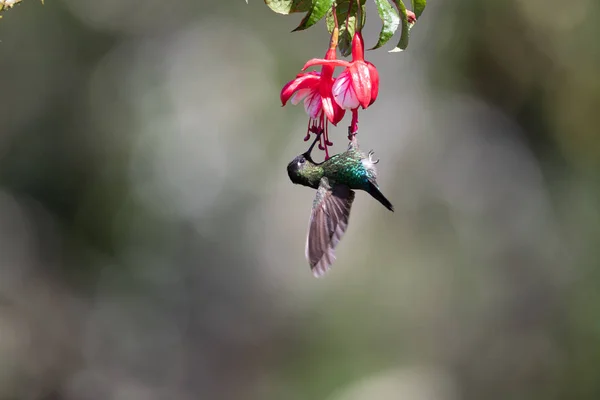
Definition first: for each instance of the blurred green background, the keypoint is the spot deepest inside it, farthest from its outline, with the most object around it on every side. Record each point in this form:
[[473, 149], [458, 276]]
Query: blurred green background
[[152, 246]]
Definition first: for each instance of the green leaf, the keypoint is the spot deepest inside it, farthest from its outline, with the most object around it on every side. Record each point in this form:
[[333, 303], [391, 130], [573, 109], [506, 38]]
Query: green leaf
[[289, 6], [342, 8], [403, 43], [345, 42], [418, 6], [345, 36], [390, 19], [318, 11]]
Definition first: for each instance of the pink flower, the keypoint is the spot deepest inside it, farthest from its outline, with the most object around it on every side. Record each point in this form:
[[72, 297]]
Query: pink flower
[[315, 88], [357, 85]]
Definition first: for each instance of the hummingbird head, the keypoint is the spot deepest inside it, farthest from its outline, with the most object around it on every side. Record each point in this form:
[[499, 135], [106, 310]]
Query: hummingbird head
[[303, 170], [300, 170]]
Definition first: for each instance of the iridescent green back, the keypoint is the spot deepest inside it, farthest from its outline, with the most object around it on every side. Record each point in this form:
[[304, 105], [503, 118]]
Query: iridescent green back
[[347, 168]]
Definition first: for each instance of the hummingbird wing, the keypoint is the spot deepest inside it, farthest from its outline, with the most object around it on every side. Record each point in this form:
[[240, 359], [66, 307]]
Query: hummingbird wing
[[328, 222]]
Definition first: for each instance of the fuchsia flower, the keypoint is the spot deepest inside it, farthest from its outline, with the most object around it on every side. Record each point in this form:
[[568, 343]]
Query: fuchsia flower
[[357, 85], [315, 88]]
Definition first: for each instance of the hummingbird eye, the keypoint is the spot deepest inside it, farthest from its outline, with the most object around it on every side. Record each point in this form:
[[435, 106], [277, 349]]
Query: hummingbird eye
[[301, 161]]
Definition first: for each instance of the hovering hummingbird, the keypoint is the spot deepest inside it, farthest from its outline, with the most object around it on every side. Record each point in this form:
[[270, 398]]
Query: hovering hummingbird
[[335, 180]]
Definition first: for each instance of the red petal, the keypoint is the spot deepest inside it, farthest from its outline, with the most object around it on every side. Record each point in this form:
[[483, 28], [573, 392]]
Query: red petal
[[358, 47], [327, 100], [361, 81], [302, 81], [313, 104], [343, 91], [328, 103], [320, 61], [333, 111], [338, 113], [300, 95], [374, 82]]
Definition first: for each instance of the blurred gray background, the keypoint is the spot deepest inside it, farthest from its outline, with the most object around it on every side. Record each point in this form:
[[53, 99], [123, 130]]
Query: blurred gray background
[[152, 246]]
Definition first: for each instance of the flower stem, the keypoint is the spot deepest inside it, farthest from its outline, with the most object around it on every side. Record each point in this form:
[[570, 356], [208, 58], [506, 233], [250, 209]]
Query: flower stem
[[354, 124], [336, 31]]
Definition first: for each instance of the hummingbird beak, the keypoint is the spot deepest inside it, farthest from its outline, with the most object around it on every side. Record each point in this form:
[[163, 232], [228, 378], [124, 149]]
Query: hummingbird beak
[[313, 144]]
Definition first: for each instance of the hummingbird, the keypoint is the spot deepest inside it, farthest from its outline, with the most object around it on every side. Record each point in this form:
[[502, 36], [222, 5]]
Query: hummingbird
[[335, 180]]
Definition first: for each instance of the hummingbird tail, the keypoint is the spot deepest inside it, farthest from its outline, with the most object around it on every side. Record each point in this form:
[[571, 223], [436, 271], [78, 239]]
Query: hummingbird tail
[[376, 193]]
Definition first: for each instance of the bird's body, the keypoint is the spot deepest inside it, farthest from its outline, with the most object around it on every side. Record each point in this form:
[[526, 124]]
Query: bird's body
[[335, 180]]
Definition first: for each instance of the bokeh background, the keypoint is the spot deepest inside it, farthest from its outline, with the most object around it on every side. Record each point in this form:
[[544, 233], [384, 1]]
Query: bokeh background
[[151, 244]]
